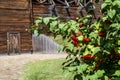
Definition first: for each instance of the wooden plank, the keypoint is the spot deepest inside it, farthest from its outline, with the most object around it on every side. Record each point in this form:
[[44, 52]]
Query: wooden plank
[[3, 43], [3, 48], [14, 4], [41, 11], [15, 23], [21, 28], [3, 39], [13, 0], [10, 12], [14, 17], [26, 47], [41, 6], [15, 20]]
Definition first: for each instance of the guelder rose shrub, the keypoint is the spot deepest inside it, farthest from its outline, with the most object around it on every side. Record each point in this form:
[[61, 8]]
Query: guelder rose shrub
[[93, 49]]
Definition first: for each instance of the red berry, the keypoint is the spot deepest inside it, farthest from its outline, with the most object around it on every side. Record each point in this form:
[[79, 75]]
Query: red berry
[[78, 33], [102, 34], [74, 38], [88, 57], [75, 43], [80, 25], [86, 40]]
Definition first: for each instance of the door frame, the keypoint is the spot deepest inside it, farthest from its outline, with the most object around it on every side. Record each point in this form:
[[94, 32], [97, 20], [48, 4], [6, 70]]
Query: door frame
[[9, 44]]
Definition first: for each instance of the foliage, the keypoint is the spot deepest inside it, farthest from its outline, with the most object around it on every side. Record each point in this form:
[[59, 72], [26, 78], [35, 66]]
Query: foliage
[[93, 49], [43, 70]]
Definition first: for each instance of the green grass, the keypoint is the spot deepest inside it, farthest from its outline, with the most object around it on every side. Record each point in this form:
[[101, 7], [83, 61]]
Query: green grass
[[58, 39], [43, 70]]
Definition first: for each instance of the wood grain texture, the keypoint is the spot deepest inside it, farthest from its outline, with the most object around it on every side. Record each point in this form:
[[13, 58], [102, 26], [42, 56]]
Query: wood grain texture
[[14, 4]]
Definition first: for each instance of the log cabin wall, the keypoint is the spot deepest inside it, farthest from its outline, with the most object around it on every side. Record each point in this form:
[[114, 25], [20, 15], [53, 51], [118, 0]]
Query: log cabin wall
[[19, 15], [15, 17], [44, 10]]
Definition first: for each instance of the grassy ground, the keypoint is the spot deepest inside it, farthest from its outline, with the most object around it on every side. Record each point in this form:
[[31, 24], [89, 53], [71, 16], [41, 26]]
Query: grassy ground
[[43, 70]]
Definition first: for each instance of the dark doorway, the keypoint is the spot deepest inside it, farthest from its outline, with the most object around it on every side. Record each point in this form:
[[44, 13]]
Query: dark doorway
[[13, 42]]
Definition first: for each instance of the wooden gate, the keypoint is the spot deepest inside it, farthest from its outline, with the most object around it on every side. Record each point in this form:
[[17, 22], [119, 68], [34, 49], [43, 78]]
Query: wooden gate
[[13, 42]]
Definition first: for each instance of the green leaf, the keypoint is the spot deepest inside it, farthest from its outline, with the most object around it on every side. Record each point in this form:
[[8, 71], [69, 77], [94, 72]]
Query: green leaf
[[119, 62], [96, 50], [38, 21], [104, 5], [82, 68], [34, 27], [116, 79], [52, 25], [118, 42], [37, 32], [61, 25], [53, 18], [70, 46], [97, 25], [90, 46], [100, 73], [116, 2], [93, 77], [117, 73], [46, 20], [105, 77], [93, 35], [72, 68], [80, 38], [111, 13]]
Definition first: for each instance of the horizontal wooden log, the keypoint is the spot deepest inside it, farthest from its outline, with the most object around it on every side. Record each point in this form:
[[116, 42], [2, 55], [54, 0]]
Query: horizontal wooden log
[[41, 11], [24, 48], [2, 43], [14, 17], [14, 23], [41, 6], [13, 12], [3, 38], [14, 4], [3, 48], [21, 28]]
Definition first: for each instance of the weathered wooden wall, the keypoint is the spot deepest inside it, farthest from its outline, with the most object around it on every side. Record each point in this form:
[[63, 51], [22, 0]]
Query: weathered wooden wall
[[15, 17], [45, 10], [18, 15]]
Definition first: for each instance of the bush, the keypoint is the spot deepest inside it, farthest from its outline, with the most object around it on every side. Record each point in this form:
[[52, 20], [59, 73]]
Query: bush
[[93, 48]]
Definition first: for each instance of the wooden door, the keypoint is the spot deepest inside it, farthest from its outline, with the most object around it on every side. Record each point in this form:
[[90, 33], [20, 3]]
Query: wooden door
[[13, 41]]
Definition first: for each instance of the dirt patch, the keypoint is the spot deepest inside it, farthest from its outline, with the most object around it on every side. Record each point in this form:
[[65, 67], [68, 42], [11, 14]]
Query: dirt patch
[[12, 66]]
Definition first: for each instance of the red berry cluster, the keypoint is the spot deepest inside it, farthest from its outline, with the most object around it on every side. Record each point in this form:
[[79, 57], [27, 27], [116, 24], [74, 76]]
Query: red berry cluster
[[86, 40], [74, 40], [88, 57], [101, 34]]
